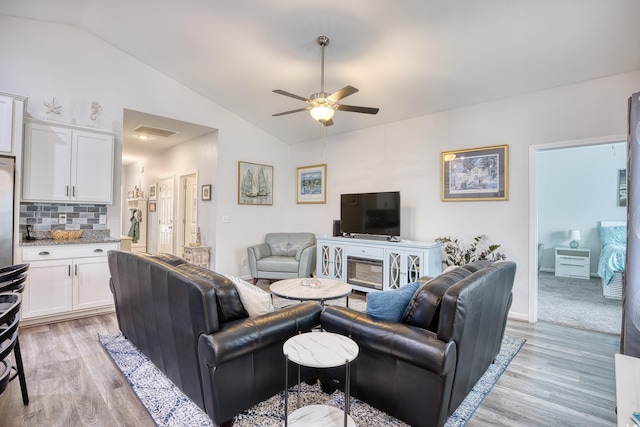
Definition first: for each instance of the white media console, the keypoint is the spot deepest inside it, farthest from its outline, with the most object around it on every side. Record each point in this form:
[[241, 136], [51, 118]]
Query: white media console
[[369, 265]]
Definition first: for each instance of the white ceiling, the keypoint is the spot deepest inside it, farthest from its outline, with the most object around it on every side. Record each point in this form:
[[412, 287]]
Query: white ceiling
[[408, 57]]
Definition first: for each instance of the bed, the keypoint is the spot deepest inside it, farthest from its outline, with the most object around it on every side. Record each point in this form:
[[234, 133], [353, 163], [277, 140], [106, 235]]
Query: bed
[[613, 237]]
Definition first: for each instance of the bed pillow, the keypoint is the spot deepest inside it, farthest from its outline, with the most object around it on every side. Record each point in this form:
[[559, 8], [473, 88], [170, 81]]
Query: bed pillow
[[390, 305], [615, 234], [255, 300]]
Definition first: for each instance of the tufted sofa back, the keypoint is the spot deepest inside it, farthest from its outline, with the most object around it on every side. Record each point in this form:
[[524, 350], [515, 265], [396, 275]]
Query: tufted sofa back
[[289, 244]]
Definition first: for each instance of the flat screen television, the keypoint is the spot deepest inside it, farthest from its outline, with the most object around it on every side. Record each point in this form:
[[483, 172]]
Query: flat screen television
[[370, 213]]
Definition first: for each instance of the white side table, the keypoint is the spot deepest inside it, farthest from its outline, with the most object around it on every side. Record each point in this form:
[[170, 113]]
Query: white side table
[[573, 262], [198, 255], [319, 350]]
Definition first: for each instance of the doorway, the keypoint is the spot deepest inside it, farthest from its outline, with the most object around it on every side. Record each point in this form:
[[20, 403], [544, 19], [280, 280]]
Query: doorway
[[165, 216], [187, 219], [575, 194]]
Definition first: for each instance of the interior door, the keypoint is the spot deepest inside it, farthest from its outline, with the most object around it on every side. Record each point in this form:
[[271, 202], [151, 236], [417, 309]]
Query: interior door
[[189, 209], [165, 216]]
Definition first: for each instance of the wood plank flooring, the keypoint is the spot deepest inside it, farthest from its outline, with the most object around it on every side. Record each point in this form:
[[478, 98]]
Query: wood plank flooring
[[561, 377]]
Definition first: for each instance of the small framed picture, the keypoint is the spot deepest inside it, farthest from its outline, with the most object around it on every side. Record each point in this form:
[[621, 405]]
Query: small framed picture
[[206, 192], [152, 206], [311, 184], [152, 192]]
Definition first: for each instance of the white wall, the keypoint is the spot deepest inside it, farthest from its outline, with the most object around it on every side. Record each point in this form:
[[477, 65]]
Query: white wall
[[43, 60], [406, 156], [578, 187]]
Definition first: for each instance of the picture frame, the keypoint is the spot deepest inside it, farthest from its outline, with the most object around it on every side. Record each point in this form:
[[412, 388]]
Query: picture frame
[[476, 174], [622, 187], [255, 184], [152, 192], [311, 184], [152, 206], [206, 192]]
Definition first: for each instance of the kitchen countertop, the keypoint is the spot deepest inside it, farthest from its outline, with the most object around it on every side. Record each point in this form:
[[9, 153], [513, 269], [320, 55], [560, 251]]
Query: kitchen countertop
[[88, 237]]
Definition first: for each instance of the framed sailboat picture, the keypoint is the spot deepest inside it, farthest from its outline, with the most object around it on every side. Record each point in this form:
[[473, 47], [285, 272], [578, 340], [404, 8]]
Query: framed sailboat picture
[[255, 184]]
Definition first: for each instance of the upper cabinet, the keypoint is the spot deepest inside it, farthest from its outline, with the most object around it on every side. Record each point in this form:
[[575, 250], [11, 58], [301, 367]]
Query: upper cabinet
[[11, 113], [64, 163]]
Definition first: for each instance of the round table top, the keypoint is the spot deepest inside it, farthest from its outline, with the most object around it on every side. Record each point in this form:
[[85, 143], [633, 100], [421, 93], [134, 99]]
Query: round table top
[[319, 416], [294, 289], [320, 349]]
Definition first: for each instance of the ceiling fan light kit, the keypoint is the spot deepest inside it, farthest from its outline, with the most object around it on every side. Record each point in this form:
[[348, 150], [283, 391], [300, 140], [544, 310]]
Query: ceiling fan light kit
[[322, 106]]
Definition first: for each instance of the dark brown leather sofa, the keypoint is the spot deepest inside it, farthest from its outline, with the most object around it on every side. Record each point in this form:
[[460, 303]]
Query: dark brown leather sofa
[[421, 369], [190, 322]]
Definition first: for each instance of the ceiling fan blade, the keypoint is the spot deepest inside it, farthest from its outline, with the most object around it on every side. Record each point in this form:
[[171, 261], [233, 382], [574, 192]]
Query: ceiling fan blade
[[282, 92], [292, 111], [354, 109], [342, 93]]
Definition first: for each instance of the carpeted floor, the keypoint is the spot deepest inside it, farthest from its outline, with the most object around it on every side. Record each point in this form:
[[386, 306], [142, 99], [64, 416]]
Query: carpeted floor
[[577, 303]]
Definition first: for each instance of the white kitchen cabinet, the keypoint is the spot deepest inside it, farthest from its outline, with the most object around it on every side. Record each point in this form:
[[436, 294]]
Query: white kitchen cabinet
[[11, 115], [64, 163], [66, 280]]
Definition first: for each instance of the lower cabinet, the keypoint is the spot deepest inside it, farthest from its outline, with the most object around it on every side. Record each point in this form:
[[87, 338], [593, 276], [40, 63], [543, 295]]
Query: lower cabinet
[[67, 280]]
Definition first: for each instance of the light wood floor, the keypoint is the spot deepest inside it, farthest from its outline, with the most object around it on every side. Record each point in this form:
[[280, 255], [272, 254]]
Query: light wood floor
[[561, 377]]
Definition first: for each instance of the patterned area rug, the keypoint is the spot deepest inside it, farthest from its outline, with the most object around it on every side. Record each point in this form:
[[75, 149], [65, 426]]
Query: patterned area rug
[[168, 406]]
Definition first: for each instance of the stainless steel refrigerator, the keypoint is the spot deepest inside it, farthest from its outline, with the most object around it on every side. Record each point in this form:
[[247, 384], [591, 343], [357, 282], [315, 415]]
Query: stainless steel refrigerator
[[7, 186]]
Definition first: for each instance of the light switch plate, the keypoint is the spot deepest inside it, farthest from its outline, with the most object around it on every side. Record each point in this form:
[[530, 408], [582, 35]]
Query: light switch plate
[[62, 219]]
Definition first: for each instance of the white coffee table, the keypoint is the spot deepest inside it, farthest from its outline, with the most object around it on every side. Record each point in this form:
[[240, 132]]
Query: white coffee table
[[319, 350], [327, 290]]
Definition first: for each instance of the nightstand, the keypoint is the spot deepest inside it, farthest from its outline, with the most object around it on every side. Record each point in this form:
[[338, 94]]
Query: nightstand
[[573, 263]]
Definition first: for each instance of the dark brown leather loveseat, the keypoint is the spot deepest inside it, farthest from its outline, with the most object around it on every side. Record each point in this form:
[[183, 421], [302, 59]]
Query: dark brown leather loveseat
[[420, 370], [191, 323]]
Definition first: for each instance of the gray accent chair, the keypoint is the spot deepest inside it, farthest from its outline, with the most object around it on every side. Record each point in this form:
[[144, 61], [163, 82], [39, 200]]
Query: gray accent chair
[[283, 256]]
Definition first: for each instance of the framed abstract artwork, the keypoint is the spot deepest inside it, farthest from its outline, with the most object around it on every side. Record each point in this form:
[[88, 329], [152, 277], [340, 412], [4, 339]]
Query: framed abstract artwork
[[475, 174], [255, 184], [311, 184]]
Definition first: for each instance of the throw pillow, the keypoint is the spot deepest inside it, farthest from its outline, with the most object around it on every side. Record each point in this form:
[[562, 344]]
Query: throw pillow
[[255, 300], [390, 305]]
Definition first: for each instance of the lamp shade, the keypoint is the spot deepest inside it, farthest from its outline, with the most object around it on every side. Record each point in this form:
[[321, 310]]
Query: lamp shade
[[322, 113], [574, 234]]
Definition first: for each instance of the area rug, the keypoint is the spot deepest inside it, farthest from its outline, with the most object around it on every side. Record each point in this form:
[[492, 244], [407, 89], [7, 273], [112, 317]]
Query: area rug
[[169, 407]]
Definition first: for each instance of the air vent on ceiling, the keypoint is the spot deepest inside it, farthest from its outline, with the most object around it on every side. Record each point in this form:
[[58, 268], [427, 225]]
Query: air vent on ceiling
[[150, 130]]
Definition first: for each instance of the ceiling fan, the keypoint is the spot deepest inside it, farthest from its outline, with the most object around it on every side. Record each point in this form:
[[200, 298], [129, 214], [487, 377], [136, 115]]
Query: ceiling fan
[[322, 106]]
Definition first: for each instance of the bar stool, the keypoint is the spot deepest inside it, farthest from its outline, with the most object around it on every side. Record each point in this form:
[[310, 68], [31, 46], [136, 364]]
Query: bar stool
[[9, 319], [12, 277]]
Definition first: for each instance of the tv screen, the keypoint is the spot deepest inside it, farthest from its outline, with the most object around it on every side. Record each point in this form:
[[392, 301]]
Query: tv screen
[[370, 213]]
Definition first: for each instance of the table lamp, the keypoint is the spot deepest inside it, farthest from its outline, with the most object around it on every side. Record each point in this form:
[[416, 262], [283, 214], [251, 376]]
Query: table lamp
[[574, 235]]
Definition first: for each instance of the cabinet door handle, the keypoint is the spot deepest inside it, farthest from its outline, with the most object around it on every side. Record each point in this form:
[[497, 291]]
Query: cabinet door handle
[[98, 250], [67, 191], [76, 270], [73, 191], [69, 270], [44, 253]]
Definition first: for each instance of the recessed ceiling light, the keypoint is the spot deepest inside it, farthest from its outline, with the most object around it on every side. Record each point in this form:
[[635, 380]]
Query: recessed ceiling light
[[144, 137]]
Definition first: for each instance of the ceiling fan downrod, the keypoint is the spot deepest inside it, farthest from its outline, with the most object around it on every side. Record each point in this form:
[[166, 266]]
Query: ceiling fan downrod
[[322, 41]]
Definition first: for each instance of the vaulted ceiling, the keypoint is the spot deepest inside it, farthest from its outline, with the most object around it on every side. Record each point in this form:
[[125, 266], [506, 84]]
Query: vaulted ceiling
[[408, 57]]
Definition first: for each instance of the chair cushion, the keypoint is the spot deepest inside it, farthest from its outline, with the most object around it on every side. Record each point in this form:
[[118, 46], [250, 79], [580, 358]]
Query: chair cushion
[[283, 264], [255, 300], [390, 305], [287, 244]]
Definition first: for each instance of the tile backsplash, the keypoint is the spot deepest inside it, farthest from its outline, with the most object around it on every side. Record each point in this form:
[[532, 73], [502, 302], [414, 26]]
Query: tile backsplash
[[45, 216]]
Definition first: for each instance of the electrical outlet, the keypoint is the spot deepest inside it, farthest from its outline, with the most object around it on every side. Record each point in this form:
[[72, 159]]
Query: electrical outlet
[[62, 219], [225, 219], [103, 219]]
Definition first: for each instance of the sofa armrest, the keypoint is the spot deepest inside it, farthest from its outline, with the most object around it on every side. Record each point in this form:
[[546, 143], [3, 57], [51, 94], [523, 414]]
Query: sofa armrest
[[242, 337], [417, 346], [259, 251]]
